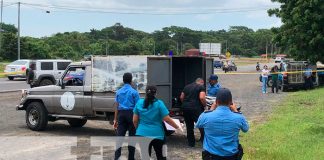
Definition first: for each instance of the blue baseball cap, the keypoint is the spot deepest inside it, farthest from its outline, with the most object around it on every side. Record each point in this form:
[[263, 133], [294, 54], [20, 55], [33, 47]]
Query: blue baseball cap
[[213, 77]]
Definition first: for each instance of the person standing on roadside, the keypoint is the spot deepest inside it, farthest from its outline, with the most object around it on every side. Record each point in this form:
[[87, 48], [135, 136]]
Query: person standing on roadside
[[222, 127], [264, 75], [193, 98], [126, 99], [149, 114], [274, 77], [308, 77], [213, 86]]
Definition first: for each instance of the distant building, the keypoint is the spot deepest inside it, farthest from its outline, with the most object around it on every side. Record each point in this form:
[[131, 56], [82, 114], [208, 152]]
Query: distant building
[[194, 52]]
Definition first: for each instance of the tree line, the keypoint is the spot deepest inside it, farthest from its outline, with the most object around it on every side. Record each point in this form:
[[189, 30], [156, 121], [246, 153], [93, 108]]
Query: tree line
[[120, 40]]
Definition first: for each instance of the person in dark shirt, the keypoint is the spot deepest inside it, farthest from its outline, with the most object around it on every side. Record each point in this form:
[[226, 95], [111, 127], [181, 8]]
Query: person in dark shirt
[[193, 98], [274, 77]]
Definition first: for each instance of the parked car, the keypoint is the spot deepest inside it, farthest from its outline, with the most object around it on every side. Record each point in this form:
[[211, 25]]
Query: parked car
[[291, 80], [279, 60], [17, 69], [46, 72], [218, 64]]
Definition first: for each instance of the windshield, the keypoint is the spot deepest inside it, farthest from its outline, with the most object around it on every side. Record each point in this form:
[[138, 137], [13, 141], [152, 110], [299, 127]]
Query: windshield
[[19, 62]]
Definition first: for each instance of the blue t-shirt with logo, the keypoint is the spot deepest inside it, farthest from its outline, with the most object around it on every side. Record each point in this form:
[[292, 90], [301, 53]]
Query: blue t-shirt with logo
[[151, 119]]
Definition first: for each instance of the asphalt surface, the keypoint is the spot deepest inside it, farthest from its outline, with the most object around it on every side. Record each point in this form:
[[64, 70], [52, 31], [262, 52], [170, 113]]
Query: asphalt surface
[[16, 84], [18, 142]]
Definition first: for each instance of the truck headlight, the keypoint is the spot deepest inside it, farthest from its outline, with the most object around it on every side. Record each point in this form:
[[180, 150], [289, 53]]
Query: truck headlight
[[24, 93]]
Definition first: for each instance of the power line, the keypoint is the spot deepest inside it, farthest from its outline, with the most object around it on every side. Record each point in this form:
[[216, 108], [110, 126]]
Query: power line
[[148, 11]]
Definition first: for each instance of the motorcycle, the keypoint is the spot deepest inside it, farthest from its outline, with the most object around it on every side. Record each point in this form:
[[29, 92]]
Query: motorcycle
[[257, 68]]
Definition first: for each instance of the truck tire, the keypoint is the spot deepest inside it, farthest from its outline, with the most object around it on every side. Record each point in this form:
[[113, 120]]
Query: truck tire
[[77, 122], [46, 82], [11, 78], [36, 116]]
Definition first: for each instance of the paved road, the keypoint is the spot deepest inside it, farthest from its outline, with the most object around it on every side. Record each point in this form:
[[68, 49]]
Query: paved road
[[17, 84]]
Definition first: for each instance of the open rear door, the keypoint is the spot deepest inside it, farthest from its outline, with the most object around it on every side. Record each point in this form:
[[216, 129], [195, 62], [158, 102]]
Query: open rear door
[[209, 68], [159, 73]]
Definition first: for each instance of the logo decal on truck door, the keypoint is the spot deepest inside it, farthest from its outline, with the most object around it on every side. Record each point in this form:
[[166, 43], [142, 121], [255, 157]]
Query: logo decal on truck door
[[67, 101]]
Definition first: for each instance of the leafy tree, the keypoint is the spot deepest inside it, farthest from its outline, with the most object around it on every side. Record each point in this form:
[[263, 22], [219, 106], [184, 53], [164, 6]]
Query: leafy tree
[[302, 32]]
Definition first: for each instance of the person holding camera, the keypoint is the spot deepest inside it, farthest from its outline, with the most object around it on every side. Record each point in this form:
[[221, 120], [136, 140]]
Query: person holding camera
[[222, 126]]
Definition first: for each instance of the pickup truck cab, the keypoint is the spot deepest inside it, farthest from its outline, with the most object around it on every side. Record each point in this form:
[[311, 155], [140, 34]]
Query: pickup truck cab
[[86, 90]]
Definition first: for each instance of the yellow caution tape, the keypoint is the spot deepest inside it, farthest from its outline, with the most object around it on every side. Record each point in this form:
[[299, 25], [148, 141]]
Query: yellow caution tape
[[292, 72], [13, 73]]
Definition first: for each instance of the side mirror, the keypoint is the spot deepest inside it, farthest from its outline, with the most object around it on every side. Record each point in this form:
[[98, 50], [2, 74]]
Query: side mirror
[[61, 83]]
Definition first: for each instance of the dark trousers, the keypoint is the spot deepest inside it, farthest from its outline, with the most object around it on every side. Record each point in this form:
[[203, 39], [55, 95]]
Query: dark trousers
[[274, 85], [238, 156], [191, 116], [125, 123], [157, 144], [308, 83]]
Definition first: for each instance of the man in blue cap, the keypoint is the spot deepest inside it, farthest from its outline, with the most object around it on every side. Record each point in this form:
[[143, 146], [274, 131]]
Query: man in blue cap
[[222, 127], [213, 86]]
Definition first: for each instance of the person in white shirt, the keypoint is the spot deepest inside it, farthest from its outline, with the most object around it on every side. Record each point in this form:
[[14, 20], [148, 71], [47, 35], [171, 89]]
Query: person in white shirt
[[264, 74]]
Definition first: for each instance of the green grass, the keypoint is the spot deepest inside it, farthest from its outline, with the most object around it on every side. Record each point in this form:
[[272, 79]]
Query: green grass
[[294, 131], [2, 67]]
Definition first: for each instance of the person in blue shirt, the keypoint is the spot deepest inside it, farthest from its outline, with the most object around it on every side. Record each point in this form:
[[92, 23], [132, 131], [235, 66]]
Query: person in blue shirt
[[308, 77], [213, 86], [149, 114], [126, 99], [222, 127]]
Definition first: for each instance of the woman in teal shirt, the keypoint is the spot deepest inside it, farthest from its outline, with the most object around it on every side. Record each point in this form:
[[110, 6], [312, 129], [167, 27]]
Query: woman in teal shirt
[[149, 114]]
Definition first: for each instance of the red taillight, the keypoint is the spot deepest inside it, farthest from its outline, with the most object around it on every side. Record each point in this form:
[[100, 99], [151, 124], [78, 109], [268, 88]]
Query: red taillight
[[23, 68], [285, 75]]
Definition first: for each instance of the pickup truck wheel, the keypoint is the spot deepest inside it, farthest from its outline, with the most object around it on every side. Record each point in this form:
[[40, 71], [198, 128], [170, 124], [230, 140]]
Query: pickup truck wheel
[[36, 116], [11, 78], [77, 122], [46, 82]]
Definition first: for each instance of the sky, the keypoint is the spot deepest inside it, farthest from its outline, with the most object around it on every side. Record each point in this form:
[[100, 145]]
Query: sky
[[144, 15]]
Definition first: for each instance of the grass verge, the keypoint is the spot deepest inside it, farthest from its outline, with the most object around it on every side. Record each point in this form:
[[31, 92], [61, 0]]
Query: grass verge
[[2, 67], [294, 131]]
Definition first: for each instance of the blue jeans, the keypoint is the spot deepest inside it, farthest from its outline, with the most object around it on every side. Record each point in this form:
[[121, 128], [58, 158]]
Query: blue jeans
[[264, 84]]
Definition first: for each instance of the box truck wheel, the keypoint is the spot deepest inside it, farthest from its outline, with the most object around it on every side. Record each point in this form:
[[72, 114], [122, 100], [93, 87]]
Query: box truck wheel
[[77, 122], [36, 116]]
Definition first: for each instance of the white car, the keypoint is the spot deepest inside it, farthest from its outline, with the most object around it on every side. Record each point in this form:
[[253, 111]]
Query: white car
[[279, 59], [17, 69]]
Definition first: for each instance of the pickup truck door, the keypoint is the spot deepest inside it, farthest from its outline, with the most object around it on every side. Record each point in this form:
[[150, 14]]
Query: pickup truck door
[[69, 99]]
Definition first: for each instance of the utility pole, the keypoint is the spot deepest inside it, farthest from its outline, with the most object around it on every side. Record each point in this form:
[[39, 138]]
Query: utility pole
[[226, 47], [271, 49], [106, 48], [154, 47], [18, 30], [1, 25], [267, 51]]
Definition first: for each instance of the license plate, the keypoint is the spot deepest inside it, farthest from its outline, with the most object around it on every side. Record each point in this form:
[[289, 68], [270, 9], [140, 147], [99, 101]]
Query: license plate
[[13, 69]]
